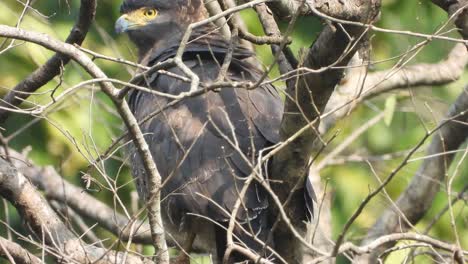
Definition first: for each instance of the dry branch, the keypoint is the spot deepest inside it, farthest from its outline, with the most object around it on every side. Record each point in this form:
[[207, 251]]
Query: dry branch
[[53, 66], [154, 213], [55, 187], [414, 202], [423, 74], [9, 249], [418, 196], [427, 241], [453, 7], [47, 226], [377, 83], [347, 10]]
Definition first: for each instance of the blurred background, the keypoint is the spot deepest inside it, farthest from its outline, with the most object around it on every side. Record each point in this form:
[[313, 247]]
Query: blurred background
[[76, 130]]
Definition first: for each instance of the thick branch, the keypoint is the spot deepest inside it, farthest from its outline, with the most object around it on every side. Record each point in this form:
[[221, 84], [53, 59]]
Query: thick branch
[[214, 8], [18, 253], [424, 74], [52, 67], [305, 101], [47, 225], [426, 241], [57, 188], [347, 10], [272, 30]]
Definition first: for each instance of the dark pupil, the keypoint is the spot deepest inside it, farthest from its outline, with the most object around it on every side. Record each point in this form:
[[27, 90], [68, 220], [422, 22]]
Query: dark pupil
[[149, 12]]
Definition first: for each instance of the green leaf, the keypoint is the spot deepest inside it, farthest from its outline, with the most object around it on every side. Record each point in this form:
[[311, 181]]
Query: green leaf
[[390, 105]]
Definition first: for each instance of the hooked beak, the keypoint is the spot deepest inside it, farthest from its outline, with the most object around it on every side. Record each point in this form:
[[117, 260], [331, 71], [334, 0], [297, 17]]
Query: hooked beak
[[123, 24]]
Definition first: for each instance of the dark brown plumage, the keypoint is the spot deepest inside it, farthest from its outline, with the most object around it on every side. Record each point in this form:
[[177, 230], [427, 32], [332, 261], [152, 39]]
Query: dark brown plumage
[[202, 170]]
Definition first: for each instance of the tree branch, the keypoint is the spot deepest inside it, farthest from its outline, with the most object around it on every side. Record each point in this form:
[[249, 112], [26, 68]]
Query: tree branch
[[347, 10], [154, 208], [394, 238], [305, 102], [414, 202], [52, 67], [55, 187], [452, 7], [418, 196], [17, 253], [46, 224], [424, 74]]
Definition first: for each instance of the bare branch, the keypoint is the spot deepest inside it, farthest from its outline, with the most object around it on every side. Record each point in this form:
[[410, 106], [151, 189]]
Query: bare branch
[[52, 67], [427, 241], [419, 75], [418, 196], [213, 7], [455, 6], [422, 74], [55, 187], [46, 224], [17, 253], [347, 10], [154, 208]]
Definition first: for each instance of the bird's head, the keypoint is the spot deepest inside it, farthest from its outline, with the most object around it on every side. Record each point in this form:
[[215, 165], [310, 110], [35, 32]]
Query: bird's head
[[148, 22]]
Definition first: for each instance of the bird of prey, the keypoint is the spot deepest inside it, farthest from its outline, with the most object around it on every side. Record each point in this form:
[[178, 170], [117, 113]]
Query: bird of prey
[[204, 146]]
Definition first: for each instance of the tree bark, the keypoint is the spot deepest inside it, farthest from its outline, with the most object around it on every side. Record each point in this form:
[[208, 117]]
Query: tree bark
[[306, 98]]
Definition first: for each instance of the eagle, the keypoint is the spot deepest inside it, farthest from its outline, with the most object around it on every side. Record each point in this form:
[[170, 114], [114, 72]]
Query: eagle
[[206, 145]]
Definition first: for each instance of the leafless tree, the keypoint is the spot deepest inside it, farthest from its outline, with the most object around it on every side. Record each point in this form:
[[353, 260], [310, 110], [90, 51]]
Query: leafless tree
[[324, 85]]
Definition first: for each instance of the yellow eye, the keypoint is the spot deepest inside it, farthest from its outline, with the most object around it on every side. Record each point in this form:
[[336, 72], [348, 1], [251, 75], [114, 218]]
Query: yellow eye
[[150, 13]]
